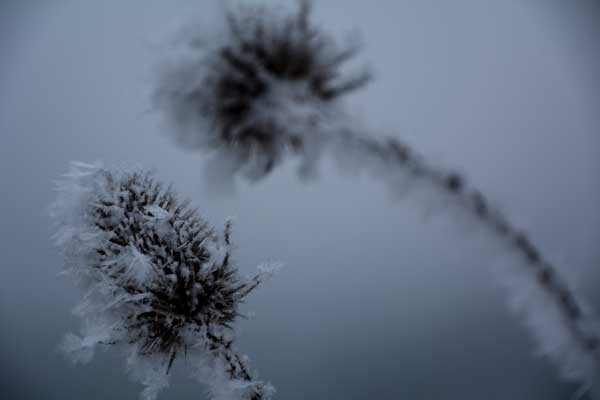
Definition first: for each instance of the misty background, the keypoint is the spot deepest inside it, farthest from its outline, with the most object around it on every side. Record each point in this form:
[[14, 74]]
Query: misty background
[[376, 300]]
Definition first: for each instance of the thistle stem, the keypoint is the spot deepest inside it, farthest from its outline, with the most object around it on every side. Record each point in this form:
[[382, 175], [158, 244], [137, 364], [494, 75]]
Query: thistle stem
[[394, 155]]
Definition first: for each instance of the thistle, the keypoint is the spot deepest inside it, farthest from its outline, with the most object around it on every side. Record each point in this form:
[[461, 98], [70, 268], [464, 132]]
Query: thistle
[[270, 82], [157, 279], [274, 83]]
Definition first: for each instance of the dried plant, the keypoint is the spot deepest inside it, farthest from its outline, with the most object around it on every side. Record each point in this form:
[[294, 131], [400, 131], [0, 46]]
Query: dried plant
[[266, 84], [158, 280], [274, 82]]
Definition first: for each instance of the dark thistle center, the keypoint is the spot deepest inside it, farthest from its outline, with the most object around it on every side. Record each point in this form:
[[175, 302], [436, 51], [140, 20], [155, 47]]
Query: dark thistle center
[[264, 52]]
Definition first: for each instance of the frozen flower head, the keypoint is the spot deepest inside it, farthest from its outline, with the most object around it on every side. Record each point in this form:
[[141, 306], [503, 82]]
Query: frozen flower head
[[268, 82], [158, 279]]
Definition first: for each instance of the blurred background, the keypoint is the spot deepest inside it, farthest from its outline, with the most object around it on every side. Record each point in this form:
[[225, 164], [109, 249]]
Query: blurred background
[[375, 301]]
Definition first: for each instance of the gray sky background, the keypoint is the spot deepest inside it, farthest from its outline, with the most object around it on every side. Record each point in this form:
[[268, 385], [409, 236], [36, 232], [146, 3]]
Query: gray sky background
[[374, 301]]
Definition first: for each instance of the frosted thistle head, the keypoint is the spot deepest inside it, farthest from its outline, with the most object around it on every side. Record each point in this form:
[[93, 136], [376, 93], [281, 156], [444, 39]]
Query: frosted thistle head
[[158, 279], [268, 82]]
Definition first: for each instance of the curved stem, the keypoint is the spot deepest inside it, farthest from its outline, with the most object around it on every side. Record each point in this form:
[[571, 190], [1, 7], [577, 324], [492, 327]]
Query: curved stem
[[392, 155]]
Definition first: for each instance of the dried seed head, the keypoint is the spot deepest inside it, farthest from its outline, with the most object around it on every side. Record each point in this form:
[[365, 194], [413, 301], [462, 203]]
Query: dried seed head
[[269, 84], [158, 278]]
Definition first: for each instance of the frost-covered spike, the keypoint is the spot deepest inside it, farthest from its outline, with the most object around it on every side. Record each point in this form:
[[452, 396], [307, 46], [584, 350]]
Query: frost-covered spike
[[80, 348], [226, 372], [265, 272], [157, 278], [267, 82]]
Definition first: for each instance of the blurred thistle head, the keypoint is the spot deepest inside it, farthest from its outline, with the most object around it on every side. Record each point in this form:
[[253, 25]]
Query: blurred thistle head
[[268, 82], [158, 279]]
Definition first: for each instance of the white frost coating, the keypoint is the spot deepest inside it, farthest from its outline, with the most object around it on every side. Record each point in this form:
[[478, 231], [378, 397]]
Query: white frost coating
[[80, 349], [157, 212], [211, 371], [552, 334], [139, 267], [269, 269], [157, 280]]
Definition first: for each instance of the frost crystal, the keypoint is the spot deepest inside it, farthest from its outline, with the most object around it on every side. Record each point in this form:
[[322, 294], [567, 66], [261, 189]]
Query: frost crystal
[[269, 82], [157, 279]]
